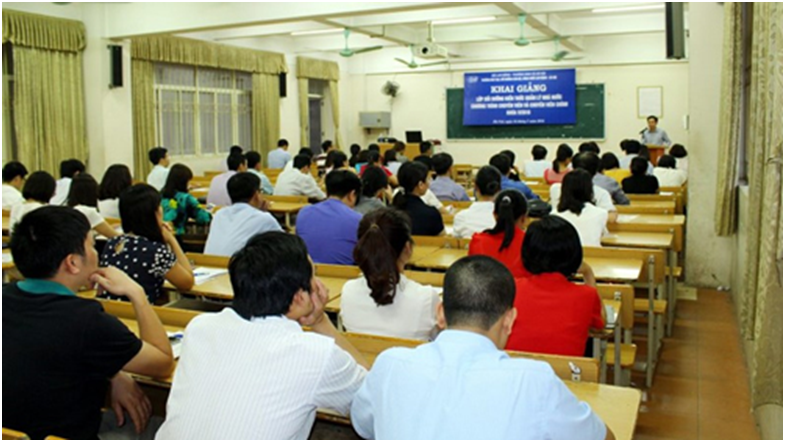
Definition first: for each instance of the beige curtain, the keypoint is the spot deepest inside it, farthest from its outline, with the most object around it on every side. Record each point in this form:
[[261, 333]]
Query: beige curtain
[[730, 120], [266, 113], [49, 114], [309, 68], [302, 91], [143, 104], [761, 303], [265, 66]]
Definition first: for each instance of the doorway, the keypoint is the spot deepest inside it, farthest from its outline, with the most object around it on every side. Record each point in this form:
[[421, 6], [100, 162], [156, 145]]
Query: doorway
[[315, 124]]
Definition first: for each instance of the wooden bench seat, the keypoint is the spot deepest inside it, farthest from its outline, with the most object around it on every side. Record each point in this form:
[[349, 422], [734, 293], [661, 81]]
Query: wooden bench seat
[[628, 352], [642, 306]]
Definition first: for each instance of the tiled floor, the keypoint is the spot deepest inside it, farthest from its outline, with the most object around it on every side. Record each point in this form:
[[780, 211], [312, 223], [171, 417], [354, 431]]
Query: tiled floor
[[700, 390]]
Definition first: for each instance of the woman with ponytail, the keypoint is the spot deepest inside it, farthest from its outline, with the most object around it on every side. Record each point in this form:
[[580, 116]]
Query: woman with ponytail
[[383, 301], [413, 179], [560, 165], [504, 241]]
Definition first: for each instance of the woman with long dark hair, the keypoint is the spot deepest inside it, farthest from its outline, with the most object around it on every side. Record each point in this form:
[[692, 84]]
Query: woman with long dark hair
[[83, 196], [503, 242], [560, 166], [116, 179], [576, 205], [179, 206]]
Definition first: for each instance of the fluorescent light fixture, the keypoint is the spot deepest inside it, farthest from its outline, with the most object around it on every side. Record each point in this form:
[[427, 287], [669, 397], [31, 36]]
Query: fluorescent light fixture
[[628, 8], [318, 31], [456, 21]]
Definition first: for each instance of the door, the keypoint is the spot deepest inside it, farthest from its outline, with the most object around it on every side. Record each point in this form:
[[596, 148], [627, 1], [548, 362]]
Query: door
[[315, 124]]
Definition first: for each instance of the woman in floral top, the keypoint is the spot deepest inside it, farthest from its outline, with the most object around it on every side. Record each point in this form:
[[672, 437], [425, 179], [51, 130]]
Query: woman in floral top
[[178, 204]]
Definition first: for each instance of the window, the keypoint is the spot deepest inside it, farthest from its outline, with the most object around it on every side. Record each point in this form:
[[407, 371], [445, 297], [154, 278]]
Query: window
[[201, 111], [9, 134]]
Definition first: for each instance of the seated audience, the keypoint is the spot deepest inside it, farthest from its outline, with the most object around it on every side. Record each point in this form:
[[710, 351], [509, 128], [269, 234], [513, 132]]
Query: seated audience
[[479, 216], [303, 151], [329, 228], [576, 205], [667, 174], [327, 147], [632, 149], [250, 371], [384, 301], [278, 157], [159, 156], [554, 314], [609, 166], [233, 151], [503, 241], [83, 196], [233, 226], [37, 191], [590, 162], [354, 151], [560, 165], [14, 174], [426, 148], [253, 163], [414, 181], [391, 161], [400, 152], [61, 353], [429, 198], [602, 197], [68, 170], [538, 165], [376, 159], [443, 185], [336, 160], [178, 205], [680, 153], [298, 180], [373, 147], [147, 250], [640, 182], [375, 190], [589, 146], [515, 175], [116, 179], [462, 385], [502, 162], [218, 195]]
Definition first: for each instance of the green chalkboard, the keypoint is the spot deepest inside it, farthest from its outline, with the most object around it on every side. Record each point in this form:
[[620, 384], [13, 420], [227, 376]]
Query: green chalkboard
[[590, 106]]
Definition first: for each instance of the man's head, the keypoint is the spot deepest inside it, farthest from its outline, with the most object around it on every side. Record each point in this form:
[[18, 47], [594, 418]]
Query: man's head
[[272, 276], [501, 162], [54, 242], [327, 146], [302, 163], [511, 155], [374, 181], [589, 146], [651, 122], [631, 147], [344, 185], [159, 156], [539, 152], [426, 148], [442, 163], [666, 161], [478, 295], [71, 168], [283, 144], [305, 151], [639, 166], [253, 160], [243, 187], [588, 161], [14, 174], [488, 181], [373, 147], [40, 186], [236, 162], [235, 150]]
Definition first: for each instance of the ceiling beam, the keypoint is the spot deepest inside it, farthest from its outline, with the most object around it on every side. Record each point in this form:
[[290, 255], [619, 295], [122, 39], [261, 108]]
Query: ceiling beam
[[567, 7], [538, 22], [125, 20]]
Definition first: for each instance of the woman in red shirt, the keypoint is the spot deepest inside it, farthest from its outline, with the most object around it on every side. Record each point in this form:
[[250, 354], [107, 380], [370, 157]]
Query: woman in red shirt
[[554, 314], [376, 159], [503, 242]]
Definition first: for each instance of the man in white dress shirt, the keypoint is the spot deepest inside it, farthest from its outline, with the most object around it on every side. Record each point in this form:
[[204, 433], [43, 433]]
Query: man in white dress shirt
[[68, 170], [463, 385], [159, 156], [479, 216], [298, 180], [653, 135], [250, 371], [278, 158], [14, 174], [218, 194]]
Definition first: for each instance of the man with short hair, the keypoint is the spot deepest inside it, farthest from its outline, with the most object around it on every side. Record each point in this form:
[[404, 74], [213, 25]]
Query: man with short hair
[[329, 228], [653, 135], [503, 163], [254, 163], [68, 170], [537, 167], [60, 351], [443, 185], [632, 149], [14, 174], [462, 385], [218, 194], [250, 371], [426, 148], [590, 162], [278, 158], [234, 150], [159, 156], [327, 147], [479, 216], [233, 226], [298, 180]]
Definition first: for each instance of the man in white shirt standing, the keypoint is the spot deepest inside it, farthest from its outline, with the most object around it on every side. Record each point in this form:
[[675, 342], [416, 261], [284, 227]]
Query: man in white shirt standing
[[462, 385], [159, 156], [250, 371], [278, 158], [233, 226], [218, 194], [68, 170], [298, 180], [14, 174], [653, 135], [479, 216]]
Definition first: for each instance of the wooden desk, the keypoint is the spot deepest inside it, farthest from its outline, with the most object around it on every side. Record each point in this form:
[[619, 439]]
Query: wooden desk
[[615, 270], [442, 259], [199, 192], [644, 240], [422, 252], [652, 223], [6, 225], [648, 207], [287, 210], [411, 152], [670, 220]]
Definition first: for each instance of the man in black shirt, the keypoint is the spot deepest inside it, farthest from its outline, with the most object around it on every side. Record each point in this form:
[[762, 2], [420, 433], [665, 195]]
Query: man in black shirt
[[61, 352]]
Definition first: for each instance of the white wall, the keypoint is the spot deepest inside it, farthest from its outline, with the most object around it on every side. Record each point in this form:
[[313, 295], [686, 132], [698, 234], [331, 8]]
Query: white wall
[[422, 101], [708, 255]]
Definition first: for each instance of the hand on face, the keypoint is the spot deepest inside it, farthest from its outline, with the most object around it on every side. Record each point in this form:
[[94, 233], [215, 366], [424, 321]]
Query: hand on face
[[117, 282], [318, 299]]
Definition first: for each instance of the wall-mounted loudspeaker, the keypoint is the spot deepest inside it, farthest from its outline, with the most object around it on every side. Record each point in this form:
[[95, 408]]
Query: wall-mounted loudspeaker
[[282, 84], [116, 74], [674, 29]]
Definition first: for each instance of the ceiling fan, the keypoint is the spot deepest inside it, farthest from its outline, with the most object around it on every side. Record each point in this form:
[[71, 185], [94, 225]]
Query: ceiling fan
[[522, 40], [412, 64], [561, 54], [348, 52]]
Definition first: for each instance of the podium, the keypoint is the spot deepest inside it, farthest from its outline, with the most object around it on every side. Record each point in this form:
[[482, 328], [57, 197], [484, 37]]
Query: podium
[[655, 152]]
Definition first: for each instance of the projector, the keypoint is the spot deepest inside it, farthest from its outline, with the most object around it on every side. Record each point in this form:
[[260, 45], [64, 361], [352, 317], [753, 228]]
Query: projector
[[431, 50]]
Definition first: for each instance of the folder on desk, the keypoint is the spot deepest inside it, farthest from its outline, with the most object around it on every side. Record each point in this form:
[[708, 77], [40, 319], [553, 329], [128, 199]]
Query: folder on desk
[[203, 274]]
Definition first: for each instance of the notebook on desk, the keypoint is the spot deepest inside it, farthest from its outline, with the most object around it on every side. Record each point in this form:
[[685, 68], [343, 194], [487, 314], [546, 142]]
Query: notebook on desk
[[203, 274]]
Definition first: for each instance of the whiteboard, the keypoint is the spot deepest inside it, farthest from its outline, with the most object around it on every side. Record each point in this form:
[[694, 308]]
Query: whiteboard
[[650, 101]]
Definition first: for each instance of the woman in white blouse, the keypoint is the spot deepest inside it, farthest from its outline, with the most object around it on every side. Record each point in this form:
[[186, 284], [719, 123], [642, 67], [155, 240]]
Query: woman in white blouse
[[117, 178], [667, 174], [576, 205], [38, 189], [83, 196], [383, 301]]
